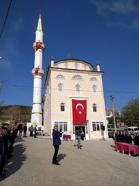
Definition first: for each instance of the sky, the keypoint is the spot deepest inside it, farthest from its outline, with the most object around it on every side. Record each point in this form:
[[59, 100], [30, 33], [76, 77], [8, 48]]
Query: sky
[[104, 32]]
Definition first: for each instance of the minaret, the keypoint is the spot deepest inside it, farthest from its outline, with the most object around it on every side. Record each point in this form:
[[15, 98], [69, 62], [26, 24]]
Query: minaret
[[37, 72]]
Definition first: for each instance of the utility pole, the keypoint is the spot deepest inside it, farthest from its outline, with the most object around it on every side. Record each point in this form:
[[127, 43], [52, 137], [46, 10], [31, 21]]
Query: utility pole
[[112, 98]]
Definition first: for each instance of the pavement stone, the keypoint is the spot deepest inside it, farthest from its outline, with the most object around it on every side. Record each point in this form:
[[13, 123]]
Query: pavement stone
[[96, 164]]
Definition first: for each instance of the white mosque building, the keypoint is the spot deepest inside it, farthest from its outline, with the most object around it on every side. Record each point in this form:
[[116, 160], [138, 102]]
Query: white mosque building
[[73, 97]]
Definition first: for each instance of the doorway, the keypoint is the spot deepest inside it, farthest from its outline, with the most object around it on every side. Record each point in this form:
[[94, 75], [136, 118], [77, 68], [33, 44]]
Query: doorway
[[80, 128]]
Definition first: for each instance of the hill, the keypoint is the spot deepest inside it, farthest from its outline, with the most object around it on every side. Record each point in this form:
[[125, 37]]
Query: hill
[[15, 112]]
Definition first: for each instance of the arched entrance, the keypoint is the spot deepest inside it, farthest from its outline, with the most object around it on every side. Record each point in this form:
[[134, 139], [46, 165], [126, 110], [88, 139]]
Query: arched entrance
[[80, 128]]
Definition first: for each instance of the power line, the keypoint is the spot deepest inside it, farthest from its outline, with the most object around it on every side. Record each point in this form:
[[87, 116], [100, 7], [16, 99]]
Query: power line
[[4, 23], [81, 90]]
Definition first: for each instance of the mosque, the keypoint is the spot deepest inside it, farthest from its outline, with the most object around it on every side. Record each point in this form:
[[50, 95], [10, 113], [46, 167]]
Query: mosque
[[73, 97]]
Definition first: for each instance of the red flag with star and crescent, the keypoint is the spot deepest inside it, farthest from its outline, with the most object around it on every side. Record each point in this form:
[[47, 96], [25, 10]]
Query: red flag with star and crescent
[[79, 110]]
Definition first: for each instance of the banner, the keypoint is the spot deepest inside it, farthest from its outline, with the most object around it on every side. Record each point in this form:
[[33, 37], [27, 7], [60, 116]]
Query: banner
[[79, 110]]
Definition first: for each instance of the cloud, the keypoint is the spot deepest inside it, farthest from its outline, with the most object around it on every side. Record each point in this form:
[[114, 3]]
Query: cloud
[[116, 6], [122, 12], [5, 64]]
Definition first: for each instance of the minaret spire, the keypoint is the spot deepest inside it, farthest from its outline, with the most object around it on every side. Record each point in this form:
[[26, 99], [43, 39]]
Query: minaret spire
[[39, 26]]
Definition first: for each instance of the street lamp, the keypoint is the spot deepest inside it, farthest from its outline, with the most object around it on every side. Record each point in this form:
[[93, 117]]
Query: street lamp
[[113, 108]]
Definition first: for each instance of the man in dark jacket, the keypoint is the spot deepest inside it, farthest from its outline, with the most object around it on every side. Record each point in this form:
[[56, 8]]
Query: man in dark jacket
[[56, 142], [129, 138], [1, 152], [136, 139], [35, 131], [31, 130], [11, 136], [25, 129]]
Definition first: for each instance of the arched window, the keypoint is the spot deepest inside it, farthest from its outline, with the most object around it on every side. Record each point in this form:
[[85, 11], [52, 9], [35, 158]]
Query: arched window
[[85, 66], [77, 86], [60, 87], [66, 65], [94, 107], [77, 77], [62, 107], [60, 76], [76, 65], [93, 79], [94, 87]]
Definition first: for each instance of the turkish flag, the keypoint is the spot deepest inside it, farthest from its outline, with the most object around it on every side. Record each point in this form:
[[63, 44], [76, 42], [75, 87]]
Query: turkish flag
[[79, 110]]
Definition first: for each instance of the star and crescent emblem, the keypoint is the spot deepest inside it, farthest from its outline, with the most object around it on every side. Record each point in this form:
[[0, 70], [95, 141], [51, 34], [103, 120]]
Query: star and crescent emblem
[[79, 107]]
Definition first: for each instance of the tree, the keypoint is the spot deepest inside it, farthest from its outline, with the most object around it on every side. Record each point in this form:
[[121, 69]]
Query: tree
[[15, 112], [130, 113], [111, 120]]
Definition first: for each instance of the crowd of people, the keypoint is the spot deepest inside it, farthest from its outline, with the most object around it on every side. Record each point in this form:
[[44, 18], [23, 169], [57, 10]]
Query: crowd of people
[[127, 137], [8, 133], [33, 131]]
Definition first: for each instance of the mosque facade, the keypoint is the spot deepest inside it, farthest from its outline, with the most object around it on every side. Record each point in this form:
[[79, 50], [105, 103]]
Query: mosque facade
[[74, 99]]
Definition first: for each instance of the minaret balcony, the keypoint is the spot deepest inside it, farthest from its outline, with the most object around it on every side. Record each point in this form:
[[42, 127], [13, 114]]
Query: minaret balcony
[[37, 71], [38, 45]]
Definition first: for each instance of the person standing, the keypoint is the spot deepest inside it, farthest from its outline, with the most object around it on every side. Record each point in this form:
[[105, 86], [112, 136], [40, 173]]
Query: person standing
[[31, 130], [25, 130], [1, 152], [20, 129], [35, 131], [129, 138], [78, 138], [56, 142], [136, 139], [11, 137], [82, 134]]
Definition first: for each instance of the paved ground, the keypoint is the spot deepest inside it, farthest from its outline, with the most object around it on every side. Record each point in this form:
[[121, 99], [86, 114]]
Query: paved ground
[[97, 164]]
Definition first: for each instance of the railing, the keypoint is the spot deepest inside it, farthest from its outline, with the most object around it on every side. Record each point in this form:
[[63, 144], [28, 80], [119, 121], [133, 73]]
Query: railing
[[66, 137], [127, 148]]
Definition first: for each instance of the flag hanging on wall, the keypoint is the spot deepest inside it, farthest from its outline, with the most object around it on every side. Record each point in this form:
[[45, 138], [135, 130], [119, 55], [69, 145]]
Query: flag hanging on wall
[[79, 110]]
